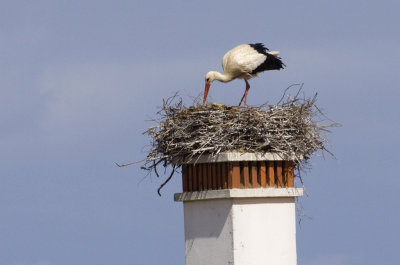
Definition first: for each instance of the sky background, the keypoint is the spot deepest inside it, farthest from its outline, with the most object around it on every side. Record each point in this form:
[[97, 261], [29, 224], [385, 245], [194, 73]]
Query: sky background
[[79, 81]]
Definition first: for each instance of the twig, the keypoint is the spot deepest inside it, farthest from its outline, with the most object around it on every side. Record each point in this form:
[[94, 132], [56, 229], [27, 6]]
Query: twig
[[165, 182]]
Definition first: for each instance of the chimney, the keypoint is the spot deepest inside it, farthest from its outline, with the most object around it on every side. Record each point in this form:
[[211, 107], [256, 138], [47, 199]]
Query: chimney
[[238, 175], [239, 209]]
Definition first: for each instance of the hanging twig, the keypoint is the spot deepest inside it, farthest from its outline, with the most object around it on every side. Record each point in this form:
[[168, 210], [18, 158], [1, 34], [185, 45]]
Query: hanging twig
[[165, 182]]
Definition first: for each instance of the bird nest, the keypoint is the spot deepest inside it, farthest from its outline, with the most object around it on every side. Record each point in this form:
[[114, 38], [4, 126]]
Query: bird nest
[[294, 128]]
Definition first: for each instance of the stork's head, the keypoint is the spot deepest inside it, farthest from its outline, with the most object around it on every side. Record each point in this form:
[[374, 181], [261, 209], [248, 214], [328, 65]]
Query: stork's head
[[210, 77]]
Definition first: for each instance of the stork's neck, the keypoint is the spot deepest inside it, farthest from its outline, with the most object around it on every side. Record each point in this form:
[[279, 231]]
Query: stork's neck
[[222, 77]]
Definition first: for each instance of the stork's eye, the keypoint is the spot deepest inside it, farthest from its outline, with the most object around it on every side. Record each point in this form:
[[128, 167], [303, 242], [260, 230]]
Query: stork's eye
[[207, 79]]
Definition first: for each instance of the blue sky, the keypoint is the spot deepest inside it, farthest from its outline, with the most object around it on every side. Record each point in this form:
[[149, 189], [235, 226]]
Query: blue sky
[[80, 79]]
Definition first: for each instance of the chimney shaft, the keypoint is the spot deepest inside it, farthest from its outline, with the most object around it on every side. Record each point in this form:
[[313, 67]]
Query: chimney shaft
[[251, 222]]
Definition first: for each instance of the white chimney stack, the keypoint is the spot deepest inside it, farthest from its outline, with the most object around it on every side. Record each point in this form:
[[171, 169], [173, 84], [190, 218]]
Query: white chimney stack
[[239, 209]]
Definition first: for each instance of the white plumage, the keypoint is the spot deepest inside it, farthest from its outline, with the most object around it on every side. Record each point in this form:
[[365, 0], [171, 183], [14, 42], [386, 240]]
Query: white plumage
[[244, 61]]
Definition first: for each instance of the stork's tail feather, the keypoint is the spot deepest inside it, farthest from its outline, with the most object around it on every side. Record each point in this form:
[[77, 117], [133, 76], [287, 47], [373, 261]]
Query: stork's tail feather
[[274, 53]]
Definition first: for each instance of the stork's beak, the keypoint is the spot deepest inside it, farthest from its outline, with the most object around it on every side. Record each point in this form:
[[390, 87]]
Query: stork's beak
[[206, 92]]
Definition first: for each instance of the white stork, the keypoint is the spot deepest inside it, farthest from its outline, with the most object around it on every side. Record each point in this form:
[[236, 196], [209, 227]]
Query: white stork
[[244, 61]]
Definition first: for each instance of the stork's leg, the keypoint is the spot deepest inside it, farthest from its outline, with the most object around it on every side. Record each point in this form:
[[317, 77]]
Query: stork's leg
[[245, 94]]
